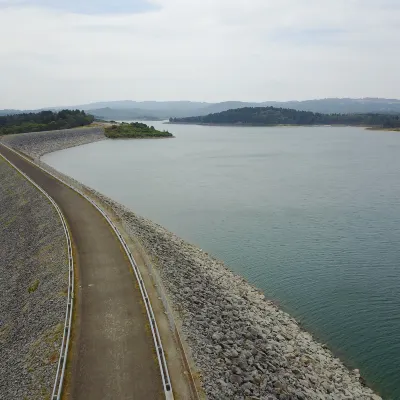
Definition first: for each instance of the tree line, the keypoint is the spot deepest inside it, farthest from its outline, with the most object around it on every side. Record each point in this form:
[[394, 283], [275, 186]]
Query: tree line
[[264, 116], [43, 121]]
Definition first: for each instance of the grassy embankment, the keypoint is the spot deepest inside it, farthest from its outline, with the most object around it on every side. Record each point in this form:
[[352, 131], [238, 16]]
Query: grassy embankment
[[134, 130]]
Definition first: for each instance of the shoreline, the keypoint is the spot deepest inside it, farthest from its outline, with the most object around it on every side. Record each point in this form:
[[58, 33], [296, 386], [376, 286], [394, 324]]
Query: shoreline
[[242, 344], [36, 144], [140, 138], [135, 225]]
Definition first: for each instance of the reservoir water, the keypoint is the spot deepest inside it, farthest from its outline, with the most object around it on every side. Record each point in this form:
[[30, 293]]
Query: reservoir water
[[309, 215]]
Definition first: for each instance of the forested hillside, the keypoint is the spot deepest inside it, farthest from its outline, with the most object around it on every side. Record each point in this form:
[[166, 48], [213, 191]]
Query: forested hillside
[[43, 121], [260, 116]]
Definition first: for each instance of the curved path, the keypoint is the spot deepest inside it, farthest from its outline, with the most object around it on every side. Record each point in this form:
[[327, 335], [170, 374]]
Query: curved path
[[113, 355]]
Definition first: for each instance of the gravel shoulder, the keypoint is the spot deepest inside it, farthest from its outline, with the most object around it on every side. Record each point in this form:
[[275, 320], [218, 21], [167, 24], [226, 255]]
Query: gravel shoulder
[[33, 288], [243, 346]]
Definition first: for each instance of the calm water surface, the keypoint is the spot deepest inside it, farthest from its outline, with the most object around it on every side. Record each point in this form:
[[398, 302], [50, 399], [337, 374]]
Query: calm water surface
[[309, 215]]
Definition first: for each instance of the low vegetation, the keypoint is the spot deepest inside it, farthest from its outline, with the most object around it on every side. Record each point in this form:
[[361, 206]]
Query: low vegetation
[[134, 130], [43, 121], [33, 287], [270, 116]]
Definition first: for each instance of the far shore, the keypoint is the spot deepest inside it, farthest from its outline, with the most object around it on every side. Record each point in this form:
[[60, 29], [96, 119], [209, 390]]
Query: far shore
[[240, 125]]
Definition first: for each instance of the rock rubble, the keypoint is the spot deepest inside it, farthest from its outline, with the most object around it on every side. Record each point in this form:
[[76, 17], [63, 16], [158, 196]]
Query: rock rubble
[[33, 288], [243, 345], [38, 143]]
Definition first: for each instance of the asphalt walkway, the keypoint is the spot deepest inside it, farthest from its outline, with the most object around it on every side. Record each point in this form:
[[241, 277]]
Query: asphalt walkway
[[113, 355]]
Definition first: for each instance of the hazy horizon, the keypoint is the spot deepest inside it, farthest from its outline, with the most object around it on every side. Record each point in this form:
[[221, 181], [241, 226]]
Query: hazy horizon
[[58, 53], [58, 106]]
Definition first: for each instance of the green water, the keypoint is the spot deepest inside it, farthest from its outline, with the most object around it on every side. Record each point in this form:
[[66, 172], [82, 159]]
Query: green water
[[309, 215]]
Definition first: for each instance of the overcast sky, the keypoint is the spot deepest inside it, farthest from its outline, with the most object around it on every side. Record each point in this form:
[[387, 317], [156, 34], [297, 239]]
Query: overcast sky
[[65, 52]]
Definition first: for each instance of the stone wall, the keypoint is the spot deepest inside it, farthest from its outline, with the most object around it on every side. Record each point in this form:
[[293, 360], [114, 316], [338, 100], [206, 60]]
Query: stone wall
[[38, 143]]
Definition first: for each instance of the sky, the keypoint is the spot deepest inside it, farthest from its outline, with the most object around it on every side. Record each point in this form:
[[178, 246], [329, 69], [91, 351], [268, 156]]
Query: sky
[[67, 52]]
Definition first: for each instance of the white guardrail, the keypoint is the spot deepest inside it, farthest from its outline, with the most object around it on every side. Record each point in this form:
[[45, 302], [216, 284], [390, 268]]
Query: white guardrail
[[146, 300]]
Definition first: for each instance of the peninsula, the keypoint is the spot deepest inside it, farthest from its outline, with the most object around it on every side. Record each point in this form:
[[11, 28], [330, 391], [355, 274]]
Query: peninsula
[[134, 130], [271, 116]]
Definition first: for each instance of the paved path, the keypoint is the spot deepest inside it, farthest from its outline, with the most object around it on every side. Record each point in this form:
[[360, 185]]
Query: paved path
[[113, 356]]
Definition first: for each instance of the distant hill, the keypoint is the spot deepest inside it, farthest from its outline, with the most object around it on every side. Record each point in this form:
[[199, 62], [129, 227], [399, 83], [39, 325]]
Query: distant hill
[[144, 105], [127, 109], [180, 109], [271, 116], [225, 106], [122, 114], [341, 106], [130, 110], [9, 112]]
